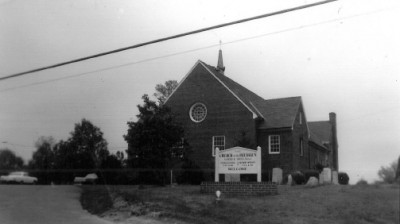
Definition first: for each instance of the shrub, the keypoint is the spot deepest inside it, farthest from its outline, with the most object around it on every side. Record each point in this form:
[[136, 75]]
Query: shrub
[[343, 178], [310, 173], [96, 200], [298, 177], [362, 182], [190, 174], [319, 167], [389, 173], [284, 180]]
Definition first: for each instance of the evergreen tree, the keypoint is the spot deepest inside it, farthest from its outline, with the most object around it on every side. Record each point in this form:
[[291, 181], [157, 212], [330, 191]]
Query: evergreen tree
[[155, 140]]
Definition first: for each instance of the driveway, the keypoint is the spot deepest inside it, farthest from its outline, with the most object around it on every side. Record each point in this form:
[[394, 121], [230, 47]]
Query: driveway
[[20, 204]]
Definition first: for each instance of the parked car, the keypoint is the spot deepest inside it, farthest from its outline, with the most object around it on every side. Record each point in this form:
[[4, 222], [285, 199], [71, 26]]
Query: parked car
[[18, 177], [88, 179]]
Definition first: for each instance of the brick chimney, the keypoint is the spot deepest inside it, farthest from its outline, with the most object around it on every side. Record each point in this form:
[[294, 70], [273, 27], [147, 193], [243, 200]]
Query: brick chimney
[[335, 146], [220, 65]]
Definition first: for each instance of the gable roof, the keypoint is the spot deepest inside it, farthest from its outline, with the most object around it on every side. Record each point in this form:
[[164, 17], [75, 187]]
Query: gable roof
[[274, 113], [247, 97], [279, 113], [320, 132]]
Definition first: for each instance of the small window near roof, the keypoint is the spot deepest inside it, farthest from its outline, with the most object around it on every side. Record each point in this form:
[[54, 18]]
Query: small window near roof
[[274, 144]]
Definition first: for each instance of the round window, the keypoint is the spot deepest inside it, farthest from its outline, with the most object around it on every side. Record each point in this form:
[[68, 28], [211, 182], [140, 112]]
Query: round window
[[198, 112]]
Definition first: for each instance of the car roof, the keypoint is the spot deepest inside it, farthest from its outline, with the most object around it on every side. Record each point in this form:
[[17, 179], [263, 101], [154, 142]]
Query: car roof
[[18, 173]]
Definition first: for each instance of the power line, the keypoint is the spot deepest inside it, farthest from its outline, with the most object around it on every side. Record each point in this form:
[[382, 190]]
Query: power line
[[197, 49], [109, 68], [167, 38]]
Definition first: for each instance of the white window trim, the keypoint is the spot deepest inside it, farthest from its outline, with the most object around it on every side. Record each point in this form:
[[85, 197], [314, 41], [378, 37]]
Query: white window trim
[[191, 110], [213, 143], [269, 144]]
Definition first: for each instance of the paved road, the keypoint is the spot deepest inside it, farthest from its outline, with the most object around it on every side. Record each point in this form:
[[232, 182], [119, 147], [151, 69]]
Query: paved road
[[20, 204]]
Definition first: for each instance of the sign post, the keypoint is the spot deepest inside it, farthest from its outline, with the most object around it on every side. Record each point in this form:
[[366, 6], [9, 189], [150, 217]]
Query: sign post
[[258, 164], [238, 160], [216, 164]]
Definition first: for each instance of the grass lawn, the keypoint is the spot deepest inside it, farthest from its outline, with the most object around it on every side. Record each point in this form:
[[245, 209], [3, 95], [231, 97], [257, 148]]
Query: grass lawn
[[298, 204]]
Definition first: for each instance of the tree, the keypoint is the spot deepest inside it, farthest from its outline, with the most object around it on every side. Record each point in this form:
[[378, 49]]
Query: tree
[[85, 149], [9, 161], [88, 142], [164, 91], [43, 157], [155, 140], [388, 174], [111, 162]]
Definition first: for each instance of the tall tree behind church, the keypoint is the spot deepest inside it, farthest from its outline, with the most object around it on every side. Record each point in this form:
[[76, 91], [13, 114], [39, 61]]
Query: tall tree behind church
[[164, 90]]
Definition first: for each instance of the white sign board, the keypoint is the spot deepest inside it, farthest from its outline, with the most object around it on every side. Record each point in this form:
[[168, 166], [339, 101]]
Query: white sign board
[[238, 160]]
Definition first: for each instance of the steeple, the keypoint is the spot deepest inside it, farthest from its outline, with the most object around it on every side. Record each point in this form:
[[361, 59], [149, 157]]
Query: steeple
[[220, 65]]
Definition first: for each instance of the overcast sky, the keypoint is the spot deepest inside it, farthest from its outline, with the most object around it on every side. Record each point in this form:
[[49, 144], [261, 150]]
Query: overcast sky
[[341, 57]]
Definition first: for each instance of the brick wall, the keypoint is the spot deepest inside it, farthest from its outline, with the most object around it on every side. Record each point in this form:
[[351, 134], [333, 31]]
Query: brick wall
[[289, 158], [300, 162], [226, 116], [239, 188], [283, 160]]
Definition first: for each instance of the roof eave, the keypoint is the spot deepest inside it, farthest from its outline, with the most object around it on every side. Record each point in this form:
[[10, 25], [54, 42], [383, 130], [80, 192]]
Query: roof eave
[[318, 145], [276, 128]]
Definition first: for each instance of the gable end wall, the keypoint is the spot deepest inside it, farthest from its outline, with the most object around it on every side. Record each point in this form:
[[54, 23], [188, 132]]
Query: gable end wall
[[225, 115]]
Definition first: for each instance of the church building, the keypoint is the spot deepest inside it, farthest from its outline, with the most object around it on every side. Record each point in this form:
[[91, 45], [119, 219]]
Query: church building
[[219, 112]]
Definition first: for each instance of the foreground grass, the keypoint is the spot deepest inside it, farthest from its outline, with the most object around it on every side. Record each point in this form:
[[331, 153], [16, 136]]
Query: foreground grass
[[325, 204]]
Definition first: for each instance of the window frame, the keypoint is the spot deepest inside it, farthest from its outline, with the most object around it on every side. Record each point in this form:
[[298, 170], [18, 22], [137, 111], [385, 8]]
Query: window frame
[[219, 145], [270, 144], [192, 108]]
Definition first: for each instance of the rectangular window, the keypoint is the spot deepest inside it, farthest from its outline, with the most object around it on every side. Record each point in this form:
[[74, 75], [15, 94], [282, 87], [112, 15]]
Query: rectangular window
[[218, 142], [301, 147], [274, 144], [180, 144], [177, 149]]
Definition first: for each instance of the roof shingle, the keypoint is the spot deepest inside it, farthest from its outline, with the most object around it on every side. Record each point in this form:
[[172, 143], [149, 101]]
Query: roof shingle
[[276, 113], [279, 113], [320, 132]]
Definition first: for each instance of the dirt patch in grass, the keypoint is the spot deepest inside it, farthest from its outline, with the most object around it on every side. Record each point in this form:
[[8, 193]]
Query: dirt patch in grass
[[298, 204]]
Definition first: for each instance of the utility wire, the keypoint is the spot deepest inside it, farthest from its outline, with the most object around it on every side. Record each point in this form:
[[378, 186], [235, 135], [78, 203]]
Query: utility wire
[[198, 49], [167, 38]]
